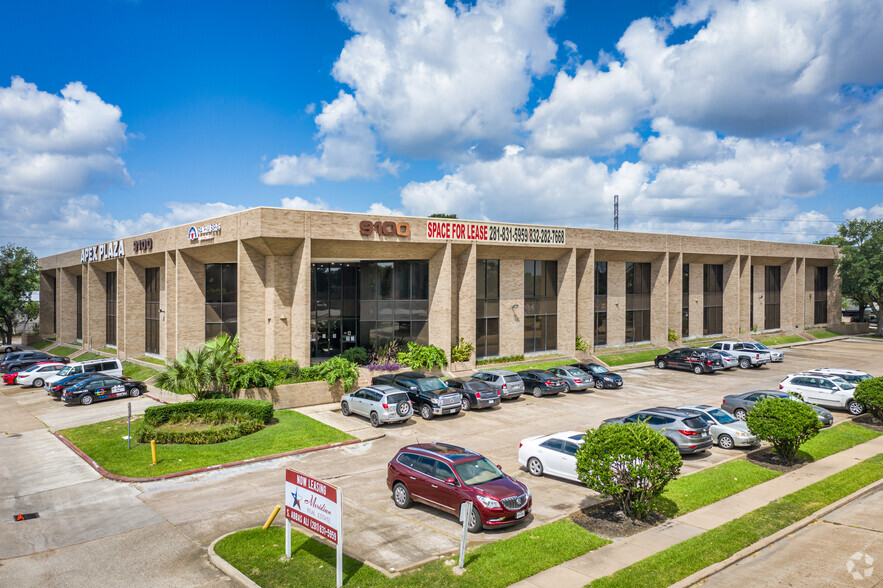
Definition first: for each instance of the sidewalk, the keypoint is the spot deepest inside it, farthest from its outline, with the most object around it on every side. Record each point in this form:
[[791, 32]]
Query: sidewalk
[[621, 553]]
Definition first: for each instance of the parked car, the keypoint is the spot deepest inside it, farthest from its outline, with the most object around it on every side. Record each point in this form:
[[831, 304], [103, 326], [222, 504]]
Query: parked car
[[55, 389], [829, 391], [101, 388], [36, 374], [851, 376], [601, 376], [380, 404], [19, 360], [553, 454], [110, 366], [739, 405], [507, 382], [443, 476], [9, 377], [686, 430], [699, 360], [475, 393], [745, 353], [730, 361], [430, 396], [776, 355], [574, 378], [726, 430], [9, 348], [541, 382]]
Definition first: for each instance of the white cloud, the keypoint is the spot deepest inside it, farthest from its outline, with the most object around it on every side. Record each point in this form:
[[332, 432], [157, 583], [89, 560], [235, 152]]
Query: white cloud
[[299, 203], [875, 212]]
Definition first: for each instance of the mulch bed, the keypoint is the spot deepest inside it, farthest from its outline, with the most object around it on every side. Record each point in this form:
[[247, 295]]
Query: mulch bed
[[607, 520], [767, 458], [869, 421]]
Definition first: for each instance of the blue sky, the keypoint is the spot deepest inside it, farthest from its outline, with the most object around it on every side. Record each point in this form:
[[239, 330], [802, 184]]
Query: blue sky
[[740, 119]]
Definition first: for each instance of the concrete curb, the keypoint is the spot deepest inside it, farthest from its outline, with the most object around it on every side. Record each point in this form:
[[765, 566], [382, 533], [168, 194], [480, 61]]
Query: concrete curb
[[227, 568], [220, 466], [706, 573]]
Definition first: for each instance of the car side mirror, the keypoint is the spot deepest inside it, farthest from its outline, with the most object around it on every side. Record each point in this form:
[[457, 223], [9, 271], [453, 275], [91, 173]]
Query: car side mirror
[[499, 467], [451, 482], [413, 388]]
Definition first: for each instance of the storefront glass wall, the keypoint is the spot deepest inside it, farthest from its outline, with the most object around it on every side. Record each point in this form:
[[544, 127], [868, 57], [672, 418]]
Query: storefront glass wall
[[220, 300], [151, 310], [79, 308], [820, 314], [540, 305], [685, 301], [713, 299], [772, 297], [110, 291], [637, 302], [487, 311], [600, 303]]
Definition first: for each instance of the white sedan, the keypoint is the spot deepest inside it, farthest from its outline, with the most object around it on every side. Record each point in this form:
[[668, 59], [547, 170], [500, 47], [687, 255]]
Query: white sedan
[[551, 454], [36, 374]]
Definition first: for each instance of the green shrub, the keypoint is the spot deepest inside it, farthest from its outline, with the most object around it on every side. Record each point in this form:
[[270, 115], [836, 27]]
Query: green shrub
[[503, 359], [462, 351], [673, 335], [357, 355], [261, 410], [423, 357], [581, 344], [258, 374], [312, 373], [785, 423], [340, 368], [231, 419], [631, 463], [146, 433], [870, 393]]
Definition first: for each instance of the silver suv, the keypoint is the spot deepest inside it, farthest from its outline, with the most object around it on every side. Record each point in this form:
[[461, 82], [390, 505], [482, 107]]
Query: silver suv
[[685, 429], [380, 403], [507, 382]]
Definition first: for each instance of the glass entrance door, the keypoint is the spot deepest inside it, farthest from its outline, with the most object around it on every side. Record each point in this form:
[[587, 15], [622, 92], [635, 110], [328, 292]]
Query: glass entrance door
[[151, 310]]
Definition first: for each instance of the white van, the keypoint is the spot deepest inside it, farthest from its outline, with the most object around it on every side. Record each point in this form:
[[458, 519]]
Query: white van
[[106, 365]]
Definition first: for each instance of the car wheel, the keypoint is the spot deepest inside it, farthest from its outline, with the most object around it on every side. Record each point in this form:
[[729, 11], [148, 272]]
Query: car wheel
[[475, 521], [401, 496], [535, 467], [740, 414], [566, 387], [7, 350], [375, 420], [345, 409], [537, 392], [725, 442], [403, 408], [697, 369], [599, 384], [38, 383], [426, 412], [855, 408], [744, 363], [464, 403], [135, 392], [661, 364], [86, 400]]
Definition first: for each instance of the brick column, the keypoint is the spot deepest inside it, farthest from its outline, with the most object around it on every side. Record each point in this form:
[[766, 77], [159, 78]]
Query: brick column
[[189, 302], [131, 309], [675, 293], [659, 300], [440, 298], [511, 319], [835, 298], [47, 303], [301, 262], [790, 289], [66, 291], [745, 295], [94, 307], [251, 301], [585, 296], [466, 276], [281, 306], [567, 303], [169, 335], [616, 303], [731, 297], [697, 299], [757, 296]]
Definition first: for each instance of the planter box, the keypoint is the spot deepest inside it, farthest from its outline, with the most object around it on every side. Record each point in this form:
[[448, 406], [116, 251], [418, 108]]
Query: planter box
[[297, 395]]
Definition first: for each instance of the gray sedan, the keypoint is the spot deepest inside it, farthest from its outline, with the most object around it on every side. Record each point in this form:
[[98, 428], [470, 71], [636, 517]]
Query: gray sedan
[[738, 405], [726, 430], [574, 378]]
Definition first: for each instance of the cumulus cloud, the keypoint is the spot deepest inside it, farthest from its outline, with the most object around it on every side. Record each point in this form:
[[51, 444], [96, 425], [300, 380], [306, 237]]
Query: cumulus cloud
[[873, 213], [380, 209], [299, 203]]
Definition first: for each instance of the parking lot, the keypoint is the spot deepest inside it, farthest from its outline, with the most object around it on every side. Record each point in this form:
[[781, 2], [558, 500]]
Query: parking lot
[[205, 506]]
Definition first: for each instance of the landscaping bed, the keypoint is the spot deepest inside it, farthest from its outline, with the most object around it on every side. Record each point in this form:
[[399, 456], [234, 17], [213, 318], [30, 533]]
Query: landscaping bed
[[827, 442], [614, 359], [608, 521], [868, 421], [781, 340]]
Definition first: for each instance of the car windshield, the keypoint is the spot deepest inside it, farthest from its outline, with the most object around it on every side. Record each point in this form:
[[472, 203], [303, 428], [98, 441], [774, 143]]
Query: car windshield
[[598, 369], [65, 370], [842, 384], [477, 471], [576, 372], [430, 384], [759, 346], [856, 379], [721, 417]]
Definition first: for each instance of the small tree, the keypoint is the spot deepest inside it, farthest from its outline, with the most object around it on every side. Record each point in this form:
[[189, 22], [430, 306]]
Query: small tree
[[870, 393], [19, 276], [422, 356], [462, 351], [204, 372], [340, 368], [785, 423], [581, 344], [630, 462]]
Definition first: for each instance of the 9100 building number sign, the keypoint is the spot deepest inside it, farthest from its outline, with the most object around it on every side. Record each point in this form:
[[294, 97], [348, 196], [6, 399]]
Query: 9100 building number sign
[[385, 228]]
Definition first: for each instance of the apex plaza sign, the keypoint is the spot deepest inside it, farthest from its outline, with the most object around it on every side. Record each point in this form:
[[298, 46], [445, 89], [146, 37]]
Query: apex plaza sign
[[101, 252]]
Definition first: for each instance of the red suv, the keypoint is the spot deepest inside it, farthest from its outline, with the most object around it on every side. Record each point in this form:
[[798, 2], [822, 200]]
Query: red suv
[[444, 476]]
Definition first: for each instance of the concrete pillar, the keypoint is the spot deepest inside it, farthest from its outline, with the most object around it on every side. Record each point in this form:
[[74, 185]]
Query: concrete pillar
[[440, 298], [169, 318], [732, 290], [615, 303], [585, 296], [789, 297], [47, 303], [281, 306], [567, 303], [465, 309], [675, 294], [757, 297], [659, 300], [189, 302], [66, 290], [301, 262], [697, 299], [251, 314], [835, 298], [94, 307], [511, 307], [744, 294], [131, 310]]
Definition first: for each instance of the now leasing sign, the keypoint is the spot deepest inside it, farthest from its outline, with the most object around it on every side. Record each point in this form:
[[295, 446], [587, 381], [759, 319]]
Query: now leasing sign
[[315, 506]]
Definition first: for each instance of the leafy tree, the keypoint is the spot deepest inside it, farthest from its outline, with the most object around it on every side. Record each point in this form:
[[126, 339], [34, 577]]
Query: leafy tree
[[785, 423], [19, 276], [629, 462], [442, 215], [422, 356], [870, 393], [861, 263]]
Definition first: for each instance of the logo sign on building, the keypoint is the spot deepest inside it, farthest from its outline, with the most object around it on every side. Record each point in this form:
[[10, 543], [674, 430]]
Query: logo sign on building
[[315, 506], [454, 230], [204, 233], [101, 252]]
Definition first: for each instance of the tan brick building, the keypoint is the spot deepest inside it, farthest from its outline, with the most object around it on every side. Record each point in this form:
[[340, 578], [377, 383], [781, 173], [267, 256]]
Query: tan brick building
[[307, 284]]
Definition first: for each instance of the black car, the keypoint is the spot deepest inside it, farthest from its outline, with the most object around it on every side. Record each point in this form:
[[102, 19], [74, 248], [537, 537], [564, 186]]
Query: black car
[[55, 389], [429, 395], [476, 394], [541, 382], [699, 360], [102, 388], [20, 360], [601, 376]]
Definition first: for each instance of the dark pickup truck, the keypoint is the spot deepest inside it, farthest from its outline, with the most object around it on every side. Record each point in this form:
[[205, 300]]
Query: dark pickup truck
[[430, 396]]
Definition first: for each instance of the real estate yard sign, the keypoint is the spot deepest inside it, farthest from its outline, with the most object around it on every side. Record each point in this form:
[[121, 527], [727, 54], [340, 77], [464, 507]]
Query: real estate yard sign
[[316, 506]]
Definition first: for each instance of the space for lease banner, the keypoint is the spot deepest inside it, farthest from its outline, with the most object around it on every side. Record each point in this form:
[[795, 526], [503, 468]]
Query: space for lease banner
[[454, 230]]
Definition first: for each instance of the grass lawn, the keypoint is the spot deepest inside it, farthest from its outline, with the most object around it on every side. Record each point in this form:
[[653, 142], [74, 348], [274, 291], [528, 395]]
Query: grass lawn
[[613, 359], [64, 351], [41, 344], [839, 438], [108, 350], [540, 365], [152, 360], [782, 339], [716, 483], [138, 372], [694, 554], [104, 443], [823, 334], [89, 355], [257, 553]]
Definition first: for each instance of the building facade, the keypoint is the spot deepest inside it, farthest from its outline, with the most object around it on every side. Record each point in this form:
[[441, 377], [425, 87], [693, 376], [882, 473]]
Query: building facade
[[310, 284]]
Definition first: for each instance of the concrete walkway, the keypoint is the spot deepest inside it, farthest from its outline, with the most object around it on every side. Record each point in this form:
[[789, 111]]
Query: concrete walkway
[[581, 570]]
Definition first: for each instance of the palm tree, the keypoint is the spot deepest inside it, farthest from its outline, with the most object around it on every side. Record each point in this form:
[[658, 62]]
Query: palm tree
[[202, 372]]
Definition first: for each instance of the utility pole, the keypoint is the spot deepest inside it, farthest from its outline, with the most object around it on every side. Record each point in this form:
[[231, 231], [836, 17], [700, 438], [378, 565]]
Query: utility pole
[[616, 212]]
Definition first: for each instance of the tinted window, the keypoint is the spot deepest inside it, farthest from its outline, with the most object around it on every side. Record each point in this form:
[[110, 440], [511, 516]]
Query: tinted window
[[570, 448], [407, 459], [695, 423], [90, 368], [396, 398], [512, 378], [443, 471], [425, 465], [109, 365], [555, 444]]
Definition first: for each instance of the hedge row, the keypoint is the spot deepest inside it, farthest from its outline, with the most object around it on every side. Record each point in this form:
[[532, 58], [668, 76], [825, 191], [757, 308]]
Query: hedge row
[[147, 433], [238, 409]]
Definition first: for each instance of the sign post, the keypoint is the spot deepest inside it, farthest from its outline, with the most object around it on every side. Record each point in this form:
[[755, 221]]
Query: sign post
[[465, 511], [316, 506], [129, 428]]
